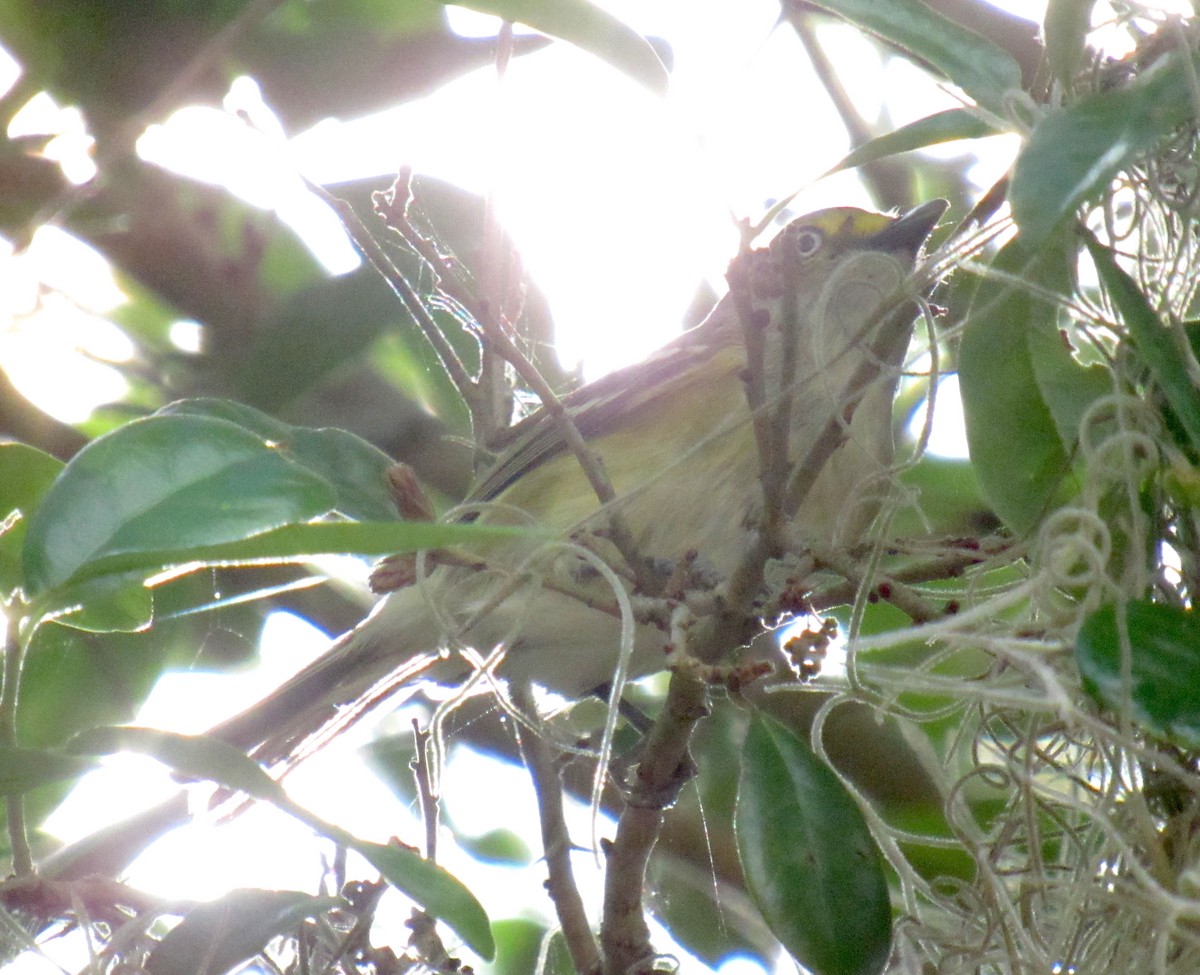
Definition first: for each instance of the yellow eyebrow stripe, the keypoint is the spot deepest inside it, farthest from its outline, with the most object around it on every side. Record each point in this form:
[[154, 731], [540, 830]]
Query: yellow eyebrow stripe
[[848, 221]]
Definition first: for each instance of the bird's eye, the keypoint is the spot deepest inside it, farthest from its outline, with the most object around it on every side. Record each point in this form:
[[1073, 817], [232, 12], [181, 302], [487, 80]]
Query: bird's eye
[[807, 241]]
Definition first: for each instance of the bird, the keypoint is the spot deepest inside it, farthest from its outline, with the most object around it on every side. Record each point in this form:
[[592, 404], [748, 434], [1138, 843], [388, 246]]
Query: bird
[[822, 316]]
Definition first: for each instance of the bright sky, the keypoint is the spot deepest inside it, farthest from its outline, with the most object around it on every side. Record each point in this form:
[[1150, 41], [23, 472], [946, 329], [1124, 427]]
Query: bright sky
[[617, 201]]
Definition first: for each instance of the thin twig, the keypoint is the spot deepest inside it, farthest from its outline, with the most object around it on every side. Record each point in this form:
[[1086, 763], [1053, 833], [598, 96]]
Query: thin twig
[[542, 763], [624, 936], [837, 430], [495, 267], [889, 588], [888, 183], [429, 801], [365, 241], [589, 460], [14, 656]]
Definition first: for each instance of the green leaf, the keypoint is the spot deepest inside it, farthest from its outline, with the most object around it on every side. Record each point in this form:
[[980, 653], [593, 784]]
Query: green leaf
[[216, 937], [22, 769], [1065, 28], [355, 469], [194, 756], [116, 603], [984, 70], [263, 425], [589, 28], [164, 483], [947, 126], [26, 473], [498, 846], [440, 893], [313, 333], [1067, 387], [1163, 693], [1075, 151], [949, 499], [1160, 348], [72, 680], [296, 543], [810, 861], [1016, 449]]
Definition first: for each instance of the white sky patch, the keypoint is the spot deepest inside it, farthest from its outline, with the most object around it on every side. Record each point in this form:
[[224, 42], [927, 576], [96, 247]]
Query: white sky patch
[[187, 336], [948, 435]]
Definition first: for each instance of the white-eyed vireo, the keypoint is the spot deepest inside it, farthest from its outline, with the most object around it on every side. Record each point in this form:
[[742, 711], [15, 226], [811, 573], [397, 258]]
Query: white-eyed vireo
[[826, 306]]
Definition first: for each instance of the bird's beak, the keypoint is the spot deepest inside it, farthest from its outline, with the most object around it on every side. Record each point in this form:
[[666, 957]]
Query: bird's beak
[[909, 231]]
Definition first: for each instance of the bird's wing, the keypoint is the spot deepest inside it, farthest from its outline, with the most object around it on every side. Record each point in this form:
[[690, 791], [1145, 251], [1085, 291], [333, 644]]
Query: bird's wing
[[599, 408]]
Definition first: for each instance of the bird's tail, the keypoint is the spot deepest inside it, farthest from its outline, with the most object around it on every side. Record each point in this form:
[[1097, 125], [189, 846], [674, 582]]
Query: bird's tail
[[324, 698]]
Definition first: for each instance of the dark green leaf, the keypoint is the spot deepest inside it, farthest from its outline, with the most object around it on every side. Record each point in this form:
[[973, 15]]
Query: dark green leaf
[[1075, 151], [26, 473], [441, 894], [947, 126], [1160, 348], [589, 28], [1015, 444], [809, 859], [216, 937], [164, 483], [22, 769], [314, 332], [191, 755], [984, 70], [1163, 692]]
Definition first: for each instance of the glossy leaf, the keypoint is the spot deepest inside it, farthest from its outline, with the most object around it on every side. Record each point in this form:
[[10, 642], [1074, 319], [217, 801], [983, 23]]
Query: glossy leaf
[[1015, 443], [1163, 694], [440, 893], [589, 28], [1075, 151], [984, 70], [356, 470], [73, 680], [22, 769], [296, 543], [941, 127], [26, 473], [194, 756], [263, 425], [218, 936], [104, 603], [809, 859], [165, 482], [1158, 347]]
